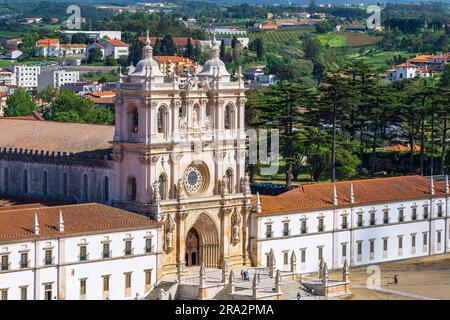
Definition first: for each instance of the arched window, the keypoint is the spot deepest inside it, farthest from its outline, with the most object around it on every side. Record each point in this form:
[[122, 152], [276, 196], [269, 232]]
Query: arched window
[[132, 189], [163, 187], [229, 175], [85, 187], [25, 181], [6, 180], [106, 189], [44, 182], [133, 121], [64, 184], [162, 119], [228, 117]]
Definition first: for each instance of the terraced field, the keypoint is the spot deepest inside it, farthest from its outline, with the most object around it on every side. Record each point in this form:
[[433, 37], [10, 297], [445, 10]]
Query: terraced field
[[280, 35]]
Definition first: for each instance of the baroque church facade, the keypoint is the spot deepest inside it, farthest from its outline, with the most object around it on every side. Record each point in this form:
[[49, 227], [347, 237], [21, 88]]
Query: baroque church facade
[[176, 154]]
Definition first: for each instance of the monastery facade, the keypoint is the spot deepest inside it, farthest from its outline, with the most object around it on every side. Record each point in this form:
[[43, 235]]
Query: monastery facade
[[177, 155]]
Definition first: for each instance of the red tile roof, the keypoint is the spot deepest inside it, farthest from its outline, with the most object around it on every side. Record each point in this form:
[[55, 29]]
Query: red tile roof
[[320, 195], [173, 59], [116, 43], [54, 136], [17, 224], [402, 148]]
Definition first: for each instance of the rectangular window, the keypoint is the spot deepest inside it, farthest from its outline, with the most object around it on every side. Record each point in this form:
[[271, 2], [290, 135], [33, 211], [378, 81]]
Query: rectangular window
[[4, 294], [82, 287], [320, 253], [83, 253], [414, 214], [425, 239], [439, 211], [5, 262], [303, 228], [128, 249], [23, 293], [321, 227], [400, 215], [48, 260], [413, 240], [425, 212], [106, 252], [344, 250], [344, 222], [372, 218], [105, 284], [438, 237], [285, 258], [24, 260], [285, 229], [359, 249], [48, 292], [148, 278], [372, 246], [148, 245], [385, 217], [127, 284], [303, 255], [400, 242], [360, 220], [269, 231], [385, 244]]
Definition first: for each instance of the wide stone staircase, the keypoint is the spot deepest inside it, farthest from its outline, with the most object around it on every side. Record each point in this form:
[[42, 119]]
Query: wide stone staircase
[[154, 293]]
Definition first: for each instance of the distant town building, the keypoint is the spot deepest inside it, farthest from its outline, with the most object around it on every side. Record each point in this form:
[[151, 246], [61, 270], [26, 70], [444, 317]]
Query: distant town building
[[171, 65], [13, 43], [101, 47], [115, 48], [406, 71], [56, 77], [27, 76], [439, 61], [72, 49], [7, 77], [12, 54], [95, 35], [48, 47], [225, 30]]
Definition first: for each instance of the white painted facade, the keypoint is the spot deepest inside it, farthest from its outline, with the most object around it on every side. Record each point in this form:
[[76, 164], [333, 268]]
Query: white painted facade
[[62, 278], [61, 77], [27, 76], [429, 234]]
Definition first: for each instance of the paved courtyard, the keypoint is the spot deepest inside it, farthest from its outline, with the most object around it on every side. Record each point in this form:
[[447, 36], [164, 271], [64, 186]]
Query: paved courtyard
[[420, 278]]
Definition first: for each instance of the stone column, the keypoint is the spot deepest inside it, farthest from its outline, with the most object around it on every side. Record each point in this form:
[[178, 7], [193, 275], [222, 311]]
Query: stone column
[[231, 283], [202, 293], [272, 263], [181, 234], [180, 271], [225, 233], [345, 273]]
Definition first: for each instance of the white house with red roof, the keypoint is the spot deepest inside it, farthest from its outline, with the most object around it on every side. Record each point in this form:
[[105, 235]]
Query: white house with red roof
[[91, 46], [407, 70], [48, 47], [116, 48]]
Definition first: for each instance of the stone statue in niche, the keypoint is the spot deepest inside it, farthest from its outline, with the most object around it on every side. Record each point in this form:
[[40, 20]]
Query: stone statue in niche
[[236, 227], [156, 193], [169, 228], [195, 122]]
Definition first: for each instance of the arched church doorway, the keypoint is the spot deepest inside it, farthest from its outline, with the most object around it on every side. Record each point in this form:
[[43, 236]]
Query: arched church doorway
[[202, 243], [192, 247]]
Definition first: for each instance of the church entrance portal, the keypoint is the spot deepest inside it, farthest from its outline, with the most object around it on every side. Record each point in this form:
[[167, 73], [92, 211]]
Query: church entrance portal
[[202, 243]]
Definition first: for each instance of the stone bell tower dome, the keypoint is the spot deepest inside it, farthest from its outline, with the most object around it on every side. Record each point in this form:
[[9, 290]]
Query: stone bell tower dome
[[214, 67]]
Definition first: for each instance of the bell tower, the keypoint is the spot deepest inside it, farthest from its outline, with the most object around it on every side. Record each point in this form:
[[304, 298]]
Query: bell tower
[[179, 151]]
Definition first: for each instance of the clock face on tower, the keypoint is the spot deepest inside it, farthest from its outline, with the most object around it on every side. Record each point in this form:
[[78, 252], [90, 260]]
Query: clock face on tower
[[196, 179]]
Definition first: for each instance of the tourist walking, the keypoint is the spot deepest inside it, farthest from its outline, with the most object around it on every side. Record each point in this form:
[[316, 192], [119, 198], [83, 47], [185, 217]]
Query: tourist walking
[[396, 279], [299, 296]]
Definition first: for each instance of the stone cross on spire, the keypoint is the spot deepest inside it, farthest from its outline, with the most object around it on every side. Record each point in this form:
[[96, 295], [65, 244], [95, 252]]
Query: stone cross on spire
[[215, 49]]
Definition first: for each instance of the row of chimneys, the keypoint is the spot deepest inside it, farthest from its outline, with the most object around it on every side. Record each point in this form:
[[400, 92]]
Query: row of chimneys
[[352, 195], [59, 227]]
